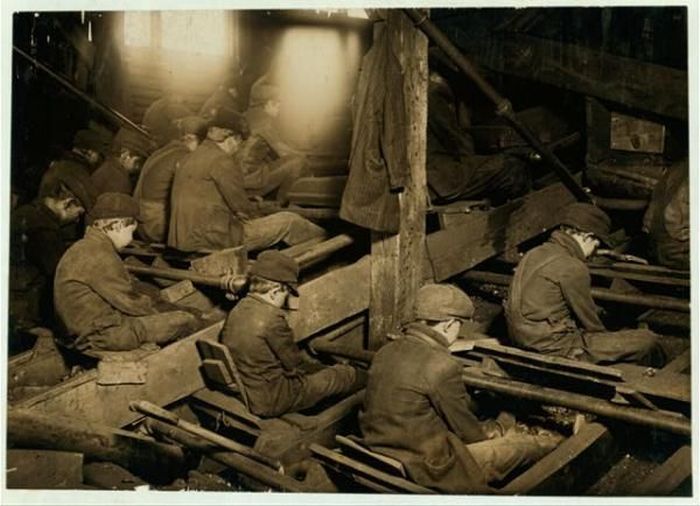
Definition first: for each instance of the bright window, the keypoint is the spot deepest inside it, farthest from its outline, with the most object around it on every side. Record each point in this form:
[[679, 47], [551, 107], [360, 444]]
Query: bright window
[[197, 32], [194, 31], [137, 28]]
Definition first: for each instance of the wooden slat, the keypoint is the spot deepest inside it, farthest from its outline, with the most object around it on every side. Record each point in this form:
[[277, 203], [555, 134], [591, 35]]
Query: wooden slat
[[377, 460], [669, 476], [172, 374], [670, 385], [607, 372], [567, 464], [631, 82], [217, 372], [481, 235], [331, 298], [350, 467], [679, 365]]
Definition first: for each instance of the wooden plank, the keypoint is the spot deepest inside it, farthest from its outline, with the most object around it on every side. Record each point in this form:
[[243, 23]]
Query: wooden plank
[[679, 365], [668, 477], [349, 466], [42, 469], [568, 466], [606, 372], [630, 82], [670, 385], [397, 260], [482, 235], [331, 298], [98, 442], [172, 374]]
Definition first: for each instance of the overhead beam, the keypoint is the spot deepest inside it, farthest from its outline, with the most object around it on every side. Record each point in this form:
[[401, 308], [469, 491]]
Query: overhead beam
[[629, 82]]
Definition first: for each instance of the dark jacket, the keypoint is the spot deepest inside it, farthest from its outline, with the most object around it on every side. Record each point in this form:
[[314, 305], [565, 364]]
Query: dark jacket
[[263, 348], [111, 177], [36, 246], [668, 218], [208, 201], [378, 158], [417, 410], [549, 301], [93, 289], [153, 189]]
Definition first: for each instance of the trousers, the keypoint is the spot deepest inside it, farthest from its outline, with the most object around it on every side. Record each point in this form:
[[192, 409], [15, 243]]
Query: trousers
[[133, 331], [335, 380], [285, 226], [276, 177], [500, 456]]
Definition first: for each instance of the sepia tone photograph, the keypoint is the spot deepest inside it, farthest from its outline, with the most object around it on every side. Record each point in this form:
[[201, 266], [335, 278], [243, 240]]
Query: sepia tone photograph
[[367, 253]]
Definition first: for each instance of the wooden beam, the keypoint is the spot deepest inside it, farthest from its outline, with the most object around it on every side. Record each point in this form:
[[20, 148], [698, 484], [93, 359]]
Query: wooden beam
[[669, 476], [171, 374], [626, 81], [472, 238], [141, 455], [396, 269], [331, 298]]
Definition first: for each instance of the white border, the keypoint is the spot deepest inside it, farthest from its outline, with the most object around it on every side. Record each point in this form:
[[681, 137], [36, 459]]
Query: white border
[[131, 498]]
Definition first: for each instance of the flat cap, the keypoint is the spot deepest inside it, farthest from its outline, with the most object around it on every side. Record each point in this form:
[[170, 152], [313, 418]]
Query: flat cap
[[134, 141], [74, 177], [230, 120], [276, 266], [441, 302], [587, 218], [93, 140], [192, 125], [114, 205]]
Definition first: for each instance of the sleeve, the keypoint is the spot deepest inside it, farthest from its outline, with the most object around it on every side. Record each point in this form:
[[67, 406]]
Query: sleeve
[[228, 177], [677, 214], [450, 399], [44, 249], [280, 339], [113, 284], [575, 285]]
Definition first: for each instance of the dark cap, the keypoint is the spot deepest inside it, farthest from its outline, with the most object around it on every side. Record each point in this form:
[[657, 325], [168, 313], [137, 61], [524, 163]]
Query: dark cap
[[93, 140], [232, 121], [587, 218], [114, 205], [193, 125], [439, 302], [74, 177], [134, 141], [276, 266]]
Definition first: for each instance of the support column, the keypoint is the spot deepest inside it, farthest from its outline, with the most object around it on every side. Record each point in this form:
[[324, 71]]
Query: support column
[[397, 260]]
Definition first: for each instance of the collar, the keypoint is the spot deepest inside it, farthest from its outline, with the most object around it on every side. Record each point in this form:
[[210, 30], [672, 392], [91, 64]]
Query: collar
[[261, 300], [426, 334], [568, 243], [46, 212], [98, 236]]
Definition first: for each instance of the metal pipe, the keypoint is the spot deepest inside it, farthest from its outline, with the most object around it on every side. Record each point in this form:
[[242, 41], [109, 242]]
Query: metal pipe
[[621, 204], [503, 106], [324, 250], [310, 255], [672, 423], [655, 419], [113, 114], [653, 301]]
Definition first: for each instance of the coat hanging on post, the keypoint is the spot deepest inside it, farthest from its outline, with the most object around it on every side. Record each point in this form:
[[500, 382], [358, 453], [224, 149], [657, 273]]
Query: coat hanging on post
[[378, 158]]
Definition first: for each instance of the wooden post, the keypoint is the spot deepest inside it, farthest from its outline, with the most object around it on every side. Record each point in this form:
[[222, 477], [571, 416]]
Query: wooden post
[[397, 260]]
